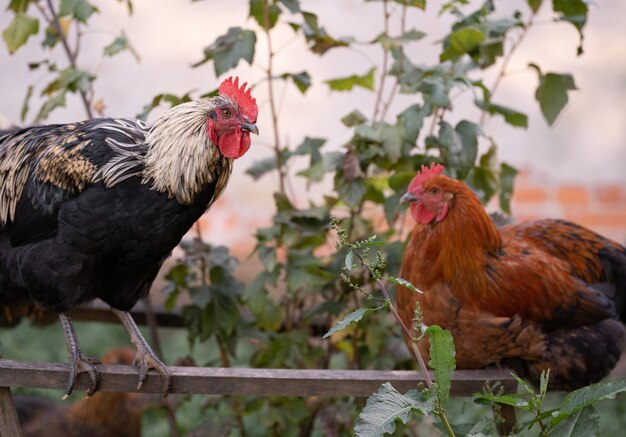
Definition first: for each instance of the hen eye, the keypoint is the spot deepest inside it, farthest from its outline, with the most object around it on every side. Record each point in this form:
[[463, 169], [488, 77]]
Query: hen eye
[[434, 190], [226, 113]]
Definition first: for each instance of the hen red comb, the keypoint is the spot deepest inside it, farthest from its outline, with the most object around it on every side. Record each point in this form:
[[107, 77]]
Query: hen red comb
[[247, 103], [426, 173]]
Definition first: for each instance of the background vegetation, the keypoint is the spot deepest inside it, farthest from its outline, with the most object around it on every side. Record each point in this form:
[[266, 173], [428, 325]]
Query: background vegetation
[[306, 286]]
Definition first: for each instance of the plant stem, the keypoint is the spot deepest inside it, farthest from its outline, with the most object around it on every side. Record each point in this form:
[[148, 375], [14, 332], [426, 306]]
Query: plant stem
[[396, 84], [68, 52], [383, 72], [505, 63], [270, 87]]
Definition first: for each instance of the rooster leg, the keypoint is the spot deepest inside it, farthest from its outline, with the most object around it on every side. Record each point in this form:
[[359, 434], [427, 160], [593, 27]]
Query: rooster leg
[[145, 358], [79, 362]]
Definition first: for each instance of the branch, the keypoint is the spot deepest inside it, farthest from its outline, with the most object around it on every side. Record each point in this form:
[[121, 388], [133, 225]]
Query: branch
[[396, 84], [54, 20], [381, 85], [270, 87], [505, 63]]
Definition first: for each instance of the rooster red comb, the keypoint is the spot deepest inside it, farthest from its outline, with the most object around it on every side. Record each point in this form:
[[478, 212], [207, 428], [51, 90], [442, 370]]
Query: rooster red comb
[[245, 101], [424, 174]]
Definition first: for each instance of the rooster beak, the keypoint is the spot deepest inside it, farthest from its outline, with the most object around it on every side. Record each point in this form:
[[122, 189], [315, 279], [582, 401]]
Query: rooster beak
[[408, 198], [250, 127]]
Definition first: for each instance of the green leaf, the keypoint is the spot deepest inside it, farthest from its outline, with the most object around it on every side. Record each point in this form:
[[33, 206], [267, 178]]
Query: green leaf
[[583, 423], [458, 146], [404, 283], [386, 406], [460, 42], [347, 83], [354, 118], [228, 49], [19, 6], [19, 30], [49, 105], [350, 191], [81, 10], [120, 44], [292, 5], [398, 181], [514, 400], [552, 93], [301, 80], [172, 99], [353, 317], [574, 12], [257, 11], [534, 5], [261, 167], [586, 396], [317, 37], [388, 42], [24, 111], [507, 178], [442, 360], [511, 116]]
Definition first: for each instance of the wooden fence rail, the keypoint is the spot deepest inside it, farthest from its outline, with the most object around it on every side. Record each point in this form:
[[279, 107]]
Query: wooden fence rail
[[236, 381], [244, 381]]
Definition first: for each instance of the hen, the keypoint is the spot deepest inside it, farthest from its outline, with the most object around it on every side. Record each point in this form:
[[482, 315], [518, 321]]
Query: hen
[[541, 295], [92, 209]]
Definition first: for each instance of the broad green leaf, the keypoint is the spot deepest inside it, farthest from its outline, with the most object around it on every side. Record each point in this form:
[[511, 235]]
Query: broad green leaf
[[19, 30], [484, 178], [460, 42], [353, 317], [442, 360], [421, 4], [404, 283], [261, 167], [386, 406], [301, 80], [574, 12], [511, 116], [120, 44], [507, 399], [534, 5], [81, 10], [257, 11], [228, 49], [507, 178], [317, 37], [412, 119], [552, 93], [582, 423], [354, 118], [19, 6], [389, 42], [57, 101], [399, 181], [586, 396], [347, 83], [292, 5], [351, 191]]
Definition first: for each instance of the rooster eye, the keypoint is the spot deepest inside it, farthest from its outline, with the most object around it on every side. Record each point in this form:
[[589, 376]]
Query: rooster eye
[[226, 113]]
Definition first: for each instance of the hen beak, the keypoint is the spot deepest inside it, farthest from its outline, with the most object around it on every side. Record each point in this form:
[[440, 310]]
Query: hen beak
[[250, 127], [408, 198]]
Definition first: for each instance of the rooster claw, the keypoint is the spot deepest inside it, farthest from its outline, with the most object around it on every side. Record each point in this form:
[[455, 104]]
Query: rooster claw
[[80, 363], [145, 360]]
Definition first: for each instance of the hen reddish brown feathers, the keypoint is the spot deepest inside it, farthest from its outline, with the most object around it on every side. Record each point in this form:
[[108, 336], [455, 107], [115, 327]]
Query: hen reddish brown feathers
[[544, 294]]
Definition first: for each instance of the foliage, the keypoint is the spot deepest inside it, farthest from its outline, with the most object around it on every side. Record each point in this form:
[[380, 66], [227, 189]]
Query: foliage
[[279, 317]]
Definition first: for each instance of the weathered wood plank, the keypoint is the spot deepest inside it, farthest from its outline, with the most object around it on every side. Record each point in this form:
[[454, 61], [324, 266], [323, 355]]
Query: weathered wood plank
[[242, 381], [9, 423]]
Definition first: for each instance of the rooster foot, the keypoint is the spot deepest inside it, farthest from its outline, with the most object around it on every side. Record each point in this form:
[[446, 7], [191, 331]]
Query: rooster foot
[[145, 359], [79, 362]]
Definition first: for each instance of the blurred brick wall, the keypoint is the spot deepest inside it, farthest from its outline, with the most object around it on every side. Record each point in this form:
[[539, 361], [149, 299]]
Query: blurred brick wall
[[600, 206]]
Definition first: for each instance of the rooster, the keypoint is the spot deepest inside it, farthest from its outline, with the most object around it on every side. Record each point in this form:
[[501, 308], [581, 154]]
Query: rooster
[[92, 209], [105, 414], [541, 295]]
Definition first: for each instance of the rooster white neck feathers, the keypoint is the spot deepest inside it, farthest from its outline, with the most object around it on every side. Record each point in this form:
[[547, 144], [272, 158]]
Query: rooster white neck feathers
[[181, 159]]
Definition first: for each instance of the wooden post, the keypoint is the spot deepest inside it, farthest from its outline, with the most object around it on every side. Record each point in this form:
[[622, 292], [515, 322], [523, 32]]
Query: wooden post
[[9, 423]]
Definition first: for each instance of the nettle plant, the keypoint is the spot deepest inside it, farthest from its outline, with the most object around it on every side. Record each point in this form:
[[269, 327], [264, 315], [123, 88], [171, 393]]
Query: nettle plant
[[304, 291]]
